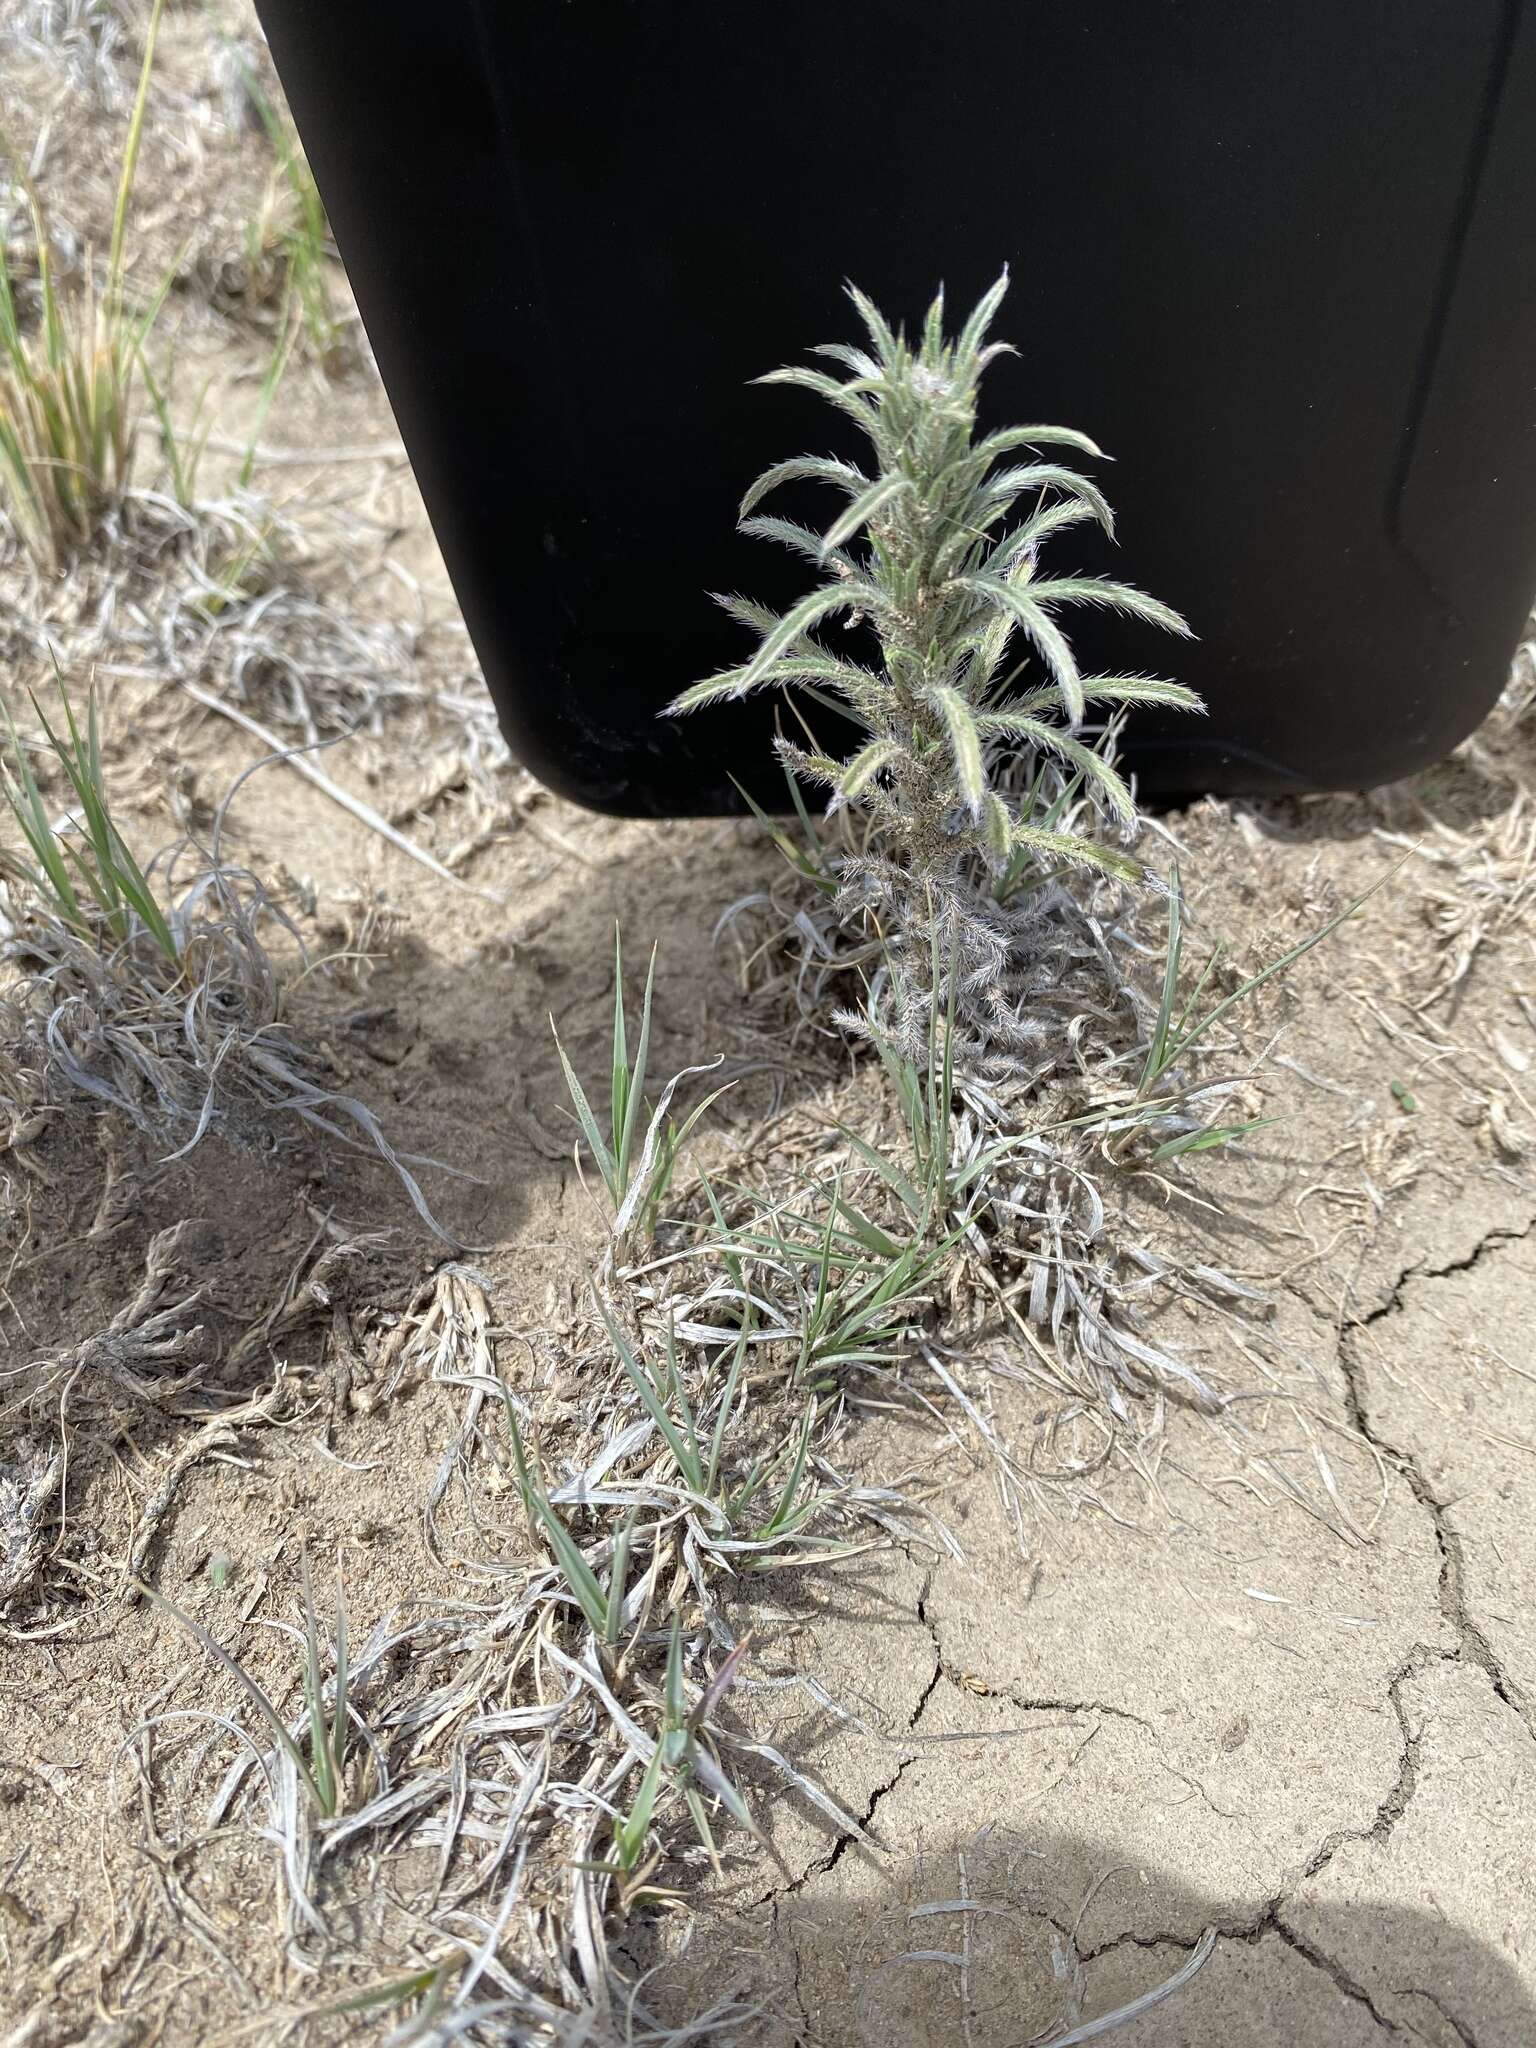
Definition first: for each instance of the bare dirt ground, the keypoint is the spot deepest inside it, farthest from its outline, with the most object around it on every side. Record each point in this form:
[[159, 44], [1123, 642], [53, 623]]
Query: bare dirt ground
[[1263, 1698]]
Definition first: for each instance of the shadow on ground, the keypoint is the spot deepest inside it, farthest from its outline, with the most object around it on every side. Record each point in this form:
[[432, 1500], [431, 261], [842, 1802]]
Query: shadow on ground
[[987, 1942]]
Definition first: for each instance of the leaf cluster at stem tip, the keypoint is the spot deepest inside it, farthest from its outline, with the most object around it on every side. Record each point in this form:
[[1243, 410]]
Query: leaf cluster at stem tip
[[937, 550]]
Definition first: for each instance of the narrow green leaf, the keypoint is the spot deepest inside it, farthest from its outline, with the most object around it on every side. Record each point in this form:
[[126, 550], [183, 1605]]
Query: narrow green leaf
[[1213, 1137], [791, 1484], [676, 1702], [799, 619], [1120, 597], [618, 1576], [1009, 438], [629, 1836], [1081, 852], [343, 1679], [1025, 539], [788, 533], [619, 1079], [974, 332], [323, 1759], [863, 509], [685, 1454], [1109, 690], [817, 381], [1101, 772], [1157, 1045], [933, 328], [578, 1574], [635, 1098], [732, 1380], [606, 1165], [1287, 959], [964, 742], [854, 775], [1009, 484], [998, 827], [129, 165], [821, 469], [874, 320], [1040, 629], [247, 1684]]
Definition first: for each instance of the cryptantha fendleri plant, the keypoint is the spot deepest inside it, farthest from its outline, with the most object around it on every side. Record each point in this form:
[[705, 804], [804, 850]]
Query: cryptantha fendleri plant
[[972, 749]]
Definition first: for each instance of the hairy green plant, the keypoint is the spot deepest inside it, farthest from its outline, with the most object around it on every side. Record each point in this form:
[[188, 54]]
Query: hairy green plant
[[68, 394], [937, 554]]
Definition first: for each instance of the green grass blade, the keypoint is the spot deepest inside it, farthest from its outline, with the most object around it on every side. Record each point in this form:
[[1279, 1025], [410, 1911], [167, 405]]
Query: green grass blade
[[130, 163], [1286, 960], [728, 1400], [343, 1676], [322, 1759], [1208, 1140], [1157, 1048], [287, 330], [248, 1685], [578, 1574], [777, 1520], [629, 1836], [685, 1455], [618, 1094], [635, 1079], [618, 1577], [31, 815], [676, 1703], [606, 1165]]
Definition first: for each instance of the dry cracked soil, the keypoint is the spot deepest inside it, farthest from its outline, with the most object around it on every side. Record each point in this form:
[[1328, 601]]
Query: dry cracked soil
[[1269, 1709]]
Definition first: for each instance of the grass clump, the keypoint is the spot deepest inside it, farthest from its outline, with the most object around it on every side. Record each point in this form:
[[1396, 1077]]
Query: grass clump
[[69, 399], [319, 1775], [288, 250], [151, 991], [79, 39], [322, 1767], [117, 896], [637, 1155], [937, 553]]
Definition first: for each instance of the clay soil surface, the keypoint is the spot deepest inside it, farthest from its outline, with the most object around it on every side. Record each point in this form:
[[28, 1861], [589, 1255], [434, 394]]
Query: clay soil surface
[[1270, 1707]]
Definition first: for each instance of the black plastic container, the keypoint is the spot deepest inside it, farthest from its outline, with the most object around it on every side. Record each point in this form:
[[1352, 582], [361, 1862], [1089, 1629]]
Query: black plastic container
[[1277, 258]]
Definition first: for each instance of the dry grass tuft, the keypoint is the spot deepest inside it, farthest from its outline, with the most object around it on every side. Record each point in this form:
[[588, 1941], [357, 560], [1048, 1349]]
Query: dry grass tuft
[[155, 993], [70, 394], [81, 40]]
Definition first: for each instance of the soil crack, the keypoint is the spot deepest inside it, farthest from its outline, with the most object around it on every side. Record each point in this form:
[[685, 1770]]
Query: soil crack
[[1337, 1975], [938, 1656], [1462, 2032], [1101, 1707], [1269, 1922], [834, 1855], [1472, 1643], [1495, 1240]]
